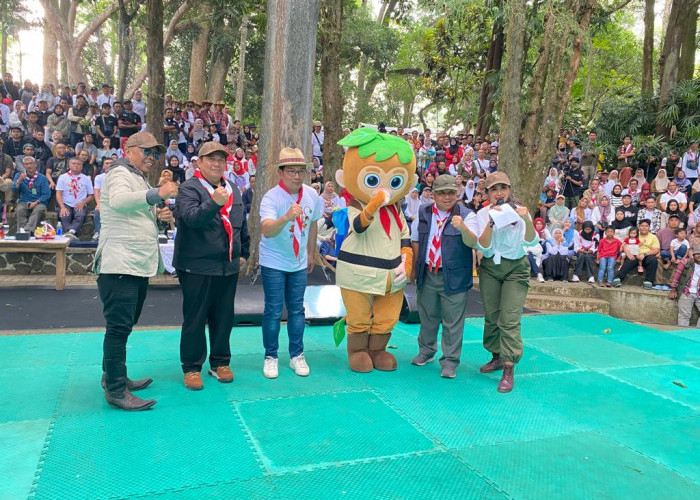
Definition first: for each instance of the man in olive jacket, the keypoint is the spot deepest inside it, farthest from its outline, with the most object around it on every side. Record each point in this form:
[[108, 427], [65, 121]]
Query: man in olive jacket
[[212, 244], [127, 255]]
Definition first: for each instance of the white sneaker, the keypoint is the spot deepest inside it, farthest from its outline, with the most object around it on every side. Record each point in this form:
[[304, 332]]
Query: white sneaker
[[95, 236], [270, 369], [591, 280], [298, 364], [540, 278], [575, 279]]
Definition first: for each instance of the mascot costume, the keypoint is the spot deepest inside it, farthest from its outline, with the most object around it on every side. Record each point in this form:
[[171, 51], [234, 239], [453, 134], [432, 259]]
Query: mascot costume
[[376, 257]]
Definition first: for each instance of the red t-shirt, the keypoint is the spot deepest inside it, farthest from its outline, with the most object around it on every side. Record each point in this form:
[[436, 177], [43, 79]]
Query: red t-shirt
[[608, 248]]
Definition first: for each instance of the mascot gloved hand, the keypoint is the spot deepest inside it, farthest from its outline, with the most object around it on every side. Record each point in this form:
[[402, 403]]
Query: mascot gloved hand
[[375, 259]]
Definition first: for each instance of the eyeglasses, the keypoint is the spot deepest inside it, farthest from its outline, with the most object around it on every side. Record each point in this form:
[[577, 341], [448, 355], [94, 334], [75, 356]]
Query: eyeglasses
[[149, 152], [295, 172]]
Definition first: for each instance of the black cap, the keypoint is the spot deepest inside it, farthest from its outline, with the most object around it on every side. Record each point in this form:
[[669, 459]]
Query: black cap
[[93, 89]]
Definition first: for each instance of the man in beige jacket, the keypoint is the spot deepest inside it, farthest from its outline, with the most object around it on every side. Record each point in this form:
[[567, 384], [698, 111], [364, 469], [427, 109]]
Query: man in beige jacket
[[127, 255]]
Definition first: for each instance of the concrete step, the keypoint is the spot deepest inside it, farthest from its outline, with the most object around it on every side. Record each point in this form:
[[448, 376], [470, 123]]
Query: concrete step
[[566, 304], [581, 289]]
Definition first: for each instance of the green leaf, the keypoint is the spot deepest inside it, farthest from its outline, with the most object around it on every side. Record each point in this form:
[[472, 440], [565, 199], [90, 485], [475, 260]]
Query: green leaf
[[358, 137], [339, 331]]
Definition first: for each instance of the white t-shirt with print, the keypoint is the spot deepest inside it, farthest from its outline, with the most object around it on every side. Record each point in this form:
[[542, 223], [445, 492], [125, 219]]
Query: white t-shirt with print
[[84, 185], [278, 252]]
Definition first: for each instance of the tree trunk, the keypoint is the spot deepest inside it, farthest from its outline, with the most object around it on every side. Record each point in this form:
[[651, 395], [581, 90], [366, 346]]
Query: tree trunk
[[50, 59], [4, 50], [124, 44], [198, 59], [155, 58], [361, 100], [511, 114], [331, 94], [648, 52], [488, 88], [220, 63], [290, 51], [240, 78], [686, 65]]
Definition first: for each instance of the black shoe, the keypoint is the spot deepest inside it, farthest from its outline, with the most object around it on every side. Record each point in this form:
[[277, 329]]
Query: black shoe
[[129, 402], [132, 385]]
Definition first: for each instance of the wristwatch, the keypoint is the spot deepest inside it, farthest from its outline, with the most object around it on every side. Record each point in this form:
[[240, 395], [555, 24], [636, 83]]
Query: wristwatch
[[492, 223]]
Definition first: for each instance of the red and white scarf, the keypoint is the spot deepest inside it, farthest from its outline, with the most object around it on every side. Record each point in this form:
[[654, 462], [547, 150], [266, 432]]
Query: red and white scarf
[[224, 211], [436, 242], [74, 185], [298, 222], [32, 179]]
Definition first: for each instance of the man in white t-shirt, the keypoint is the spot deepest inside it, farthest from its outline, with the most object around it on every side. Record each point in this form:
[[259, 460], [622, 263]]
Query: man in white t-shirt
[[673, 194], [73, 192], [288, 214], [99, 180], [317, 138]]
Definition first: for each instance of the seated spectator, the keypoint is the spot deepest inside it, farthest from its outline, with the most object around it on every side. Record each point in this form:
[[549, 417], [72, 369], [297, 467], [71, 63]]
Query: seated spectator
[[547, 201], [585, 246], [426, 197], [248, 194], [33, 192], [175, 169], [680, 248], [628, 209], [616, 196], [556, 261], [99, 180], [88, 145], [660, 183], [330, 199], [602, 214], [557, 214], [684, 185], [633, 191], [646, 194], [673, 209], [569, 231], [593, 193], [608, 252], [428, 180], [672, 193], [535, 253], [621, 225], [58, 122], [469, 189], [686, 280], [552, 177], [14, 143], [645, 261], [174, 150], [613, 180], [88, 167], [105, 151], [649, 211], [581, 213], [73, 192]]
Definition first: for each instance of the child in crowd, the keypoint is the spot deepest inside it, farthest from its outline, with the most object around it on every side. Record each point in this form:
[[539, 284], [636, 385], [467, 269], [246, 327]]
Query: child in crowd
[[631, 246], [680, 248], [585, 246], [608, 251], [556, 263]]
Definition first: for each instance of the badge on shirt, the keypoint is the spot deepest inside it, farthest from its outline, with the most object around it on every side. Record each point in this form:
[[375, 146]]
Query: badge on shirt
[[34, 191]]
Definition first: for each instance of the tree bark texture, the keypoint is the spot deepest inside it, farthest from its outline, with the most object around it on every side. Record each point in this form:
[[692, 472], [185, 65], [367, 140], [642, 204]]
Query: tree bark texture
[[125, 45], [156, 75], [488, 87], [222, 54], [3, 43], [240, 77], [648, 51], [331, 94], [50, 59], [198, 58], [290, 51], [686, 64]]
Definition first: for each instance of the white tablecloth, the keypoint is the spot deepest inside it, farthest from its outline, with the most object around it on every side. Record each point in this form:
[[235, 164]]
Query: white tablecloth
[[166, 251]]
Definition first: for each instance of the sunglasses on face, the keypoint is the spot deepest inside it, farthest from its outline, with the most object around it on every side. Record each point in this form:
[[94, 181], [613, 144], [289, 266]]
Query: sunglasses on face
[[151, 152]]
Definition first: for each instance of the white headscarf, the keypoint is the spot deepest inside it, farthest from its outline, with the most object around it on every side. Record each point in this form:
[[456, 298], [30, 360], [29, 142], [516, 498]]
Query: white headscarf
[[412, 205], [469, 190]]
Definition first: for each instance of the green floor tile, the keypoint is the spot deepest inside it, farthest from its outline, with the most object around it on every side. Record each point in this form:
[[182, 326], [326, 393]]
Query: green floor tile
[[593, 323], [118, 454], [594, 400], [433, 475], [597, 352], [580, 466], [661, 344], [534, 361], [31, 351], [674, 443], [330, 428], [468, 410], [685, 333], [249, 489], [539, 326], [30, 394], [20, 448], [660, 380]]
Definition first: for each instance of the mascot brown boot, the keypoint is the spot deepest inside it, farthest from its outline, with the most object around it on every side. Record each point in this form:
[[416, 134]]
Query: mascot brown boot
[[358, 352], [381, 359]]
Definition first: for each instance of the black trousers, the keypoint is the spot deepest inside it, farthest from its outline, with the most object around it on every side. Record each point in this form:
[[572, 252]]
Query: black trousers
[[122, 298], [650, 263], [584, 261], [206, 300]]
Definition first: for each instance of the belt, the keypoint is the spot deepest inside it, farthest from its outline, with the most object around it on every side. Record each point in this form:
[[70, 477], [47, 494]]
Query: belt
[[367, 261]]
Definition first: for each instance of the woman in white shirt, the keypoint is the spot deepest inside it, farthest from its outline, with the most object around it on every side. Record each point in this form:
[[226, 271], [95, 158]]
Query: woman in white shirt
[[503, 276]]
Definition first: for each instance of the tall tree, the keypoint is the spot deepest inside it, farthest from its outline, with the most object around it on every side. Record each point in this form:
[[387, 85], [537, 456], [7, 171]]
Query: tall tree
[[156, 73], [331, 95], [493, 67], [124, 45], [240, 77], [50, 58], [290, 51], [198, 58], [648, 54], [686, 64]]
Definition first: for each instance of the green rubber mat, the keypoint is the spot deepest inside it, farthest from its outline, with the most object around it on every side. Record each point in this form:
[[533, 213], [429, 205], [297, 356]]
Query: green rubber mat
[[594, 414]]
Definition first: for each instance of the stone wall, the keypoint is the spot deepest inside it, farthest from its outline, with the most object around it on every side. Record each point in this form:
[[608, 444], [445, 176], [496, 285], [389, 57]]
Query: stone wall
[[78, 261], [85, 233]]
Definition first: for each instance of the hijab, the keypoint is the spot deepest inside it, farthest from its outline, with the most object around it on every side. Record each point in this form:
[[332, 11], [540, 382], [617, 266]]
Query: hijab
[[471, 187], [412, 205], [621, 224], [646, 192], [661, 181], [552, 177], [584, 235], [569, 233], [683, 182], [540, 232], [198, 132], [559, 212], [604, 210], [424, 200], [639, 175], [453, 147], [325, 194], [190, 152]]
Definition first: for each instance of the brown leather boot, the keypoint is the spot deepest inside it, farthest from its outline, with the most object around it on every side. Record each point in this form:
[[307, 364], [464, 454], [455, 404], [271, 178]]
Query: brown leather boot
[[358, 353], [132, 385], [128, 401], [494, 365], [507, 382], [381, 359]]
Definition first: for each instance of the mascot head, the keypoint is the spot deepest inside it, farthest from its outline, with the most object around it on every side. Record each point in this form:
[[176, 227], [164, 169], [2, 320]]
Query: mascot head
[[375, 162]]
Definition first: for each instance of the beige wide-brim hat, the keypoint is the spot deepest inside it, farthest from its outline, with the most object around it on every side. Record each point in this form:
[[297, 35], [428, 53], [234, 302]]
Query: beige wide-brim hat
[[291, 156], [144, 140]]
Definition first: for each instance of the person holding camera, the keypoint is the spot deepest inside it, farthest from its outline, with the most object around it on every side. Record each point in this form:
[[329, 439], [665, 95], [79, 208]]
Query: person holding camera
[[572, 183]]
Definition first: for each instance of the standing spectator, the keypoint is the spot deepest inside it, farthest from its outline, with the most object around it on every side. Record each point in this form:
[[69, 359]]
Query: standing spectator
[[288, 212], [79, 115], [105, 97], [317, 142], [124, 263], [8, 88], [211, 245], [33, 193], [99, 181], [572, 183], [139, 107], [73, 192], [170, 129], [686, 280], [689, 162], [107, 127], [625, 156], [248, 194], [129, 122], [58, 121], [589, 157]]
